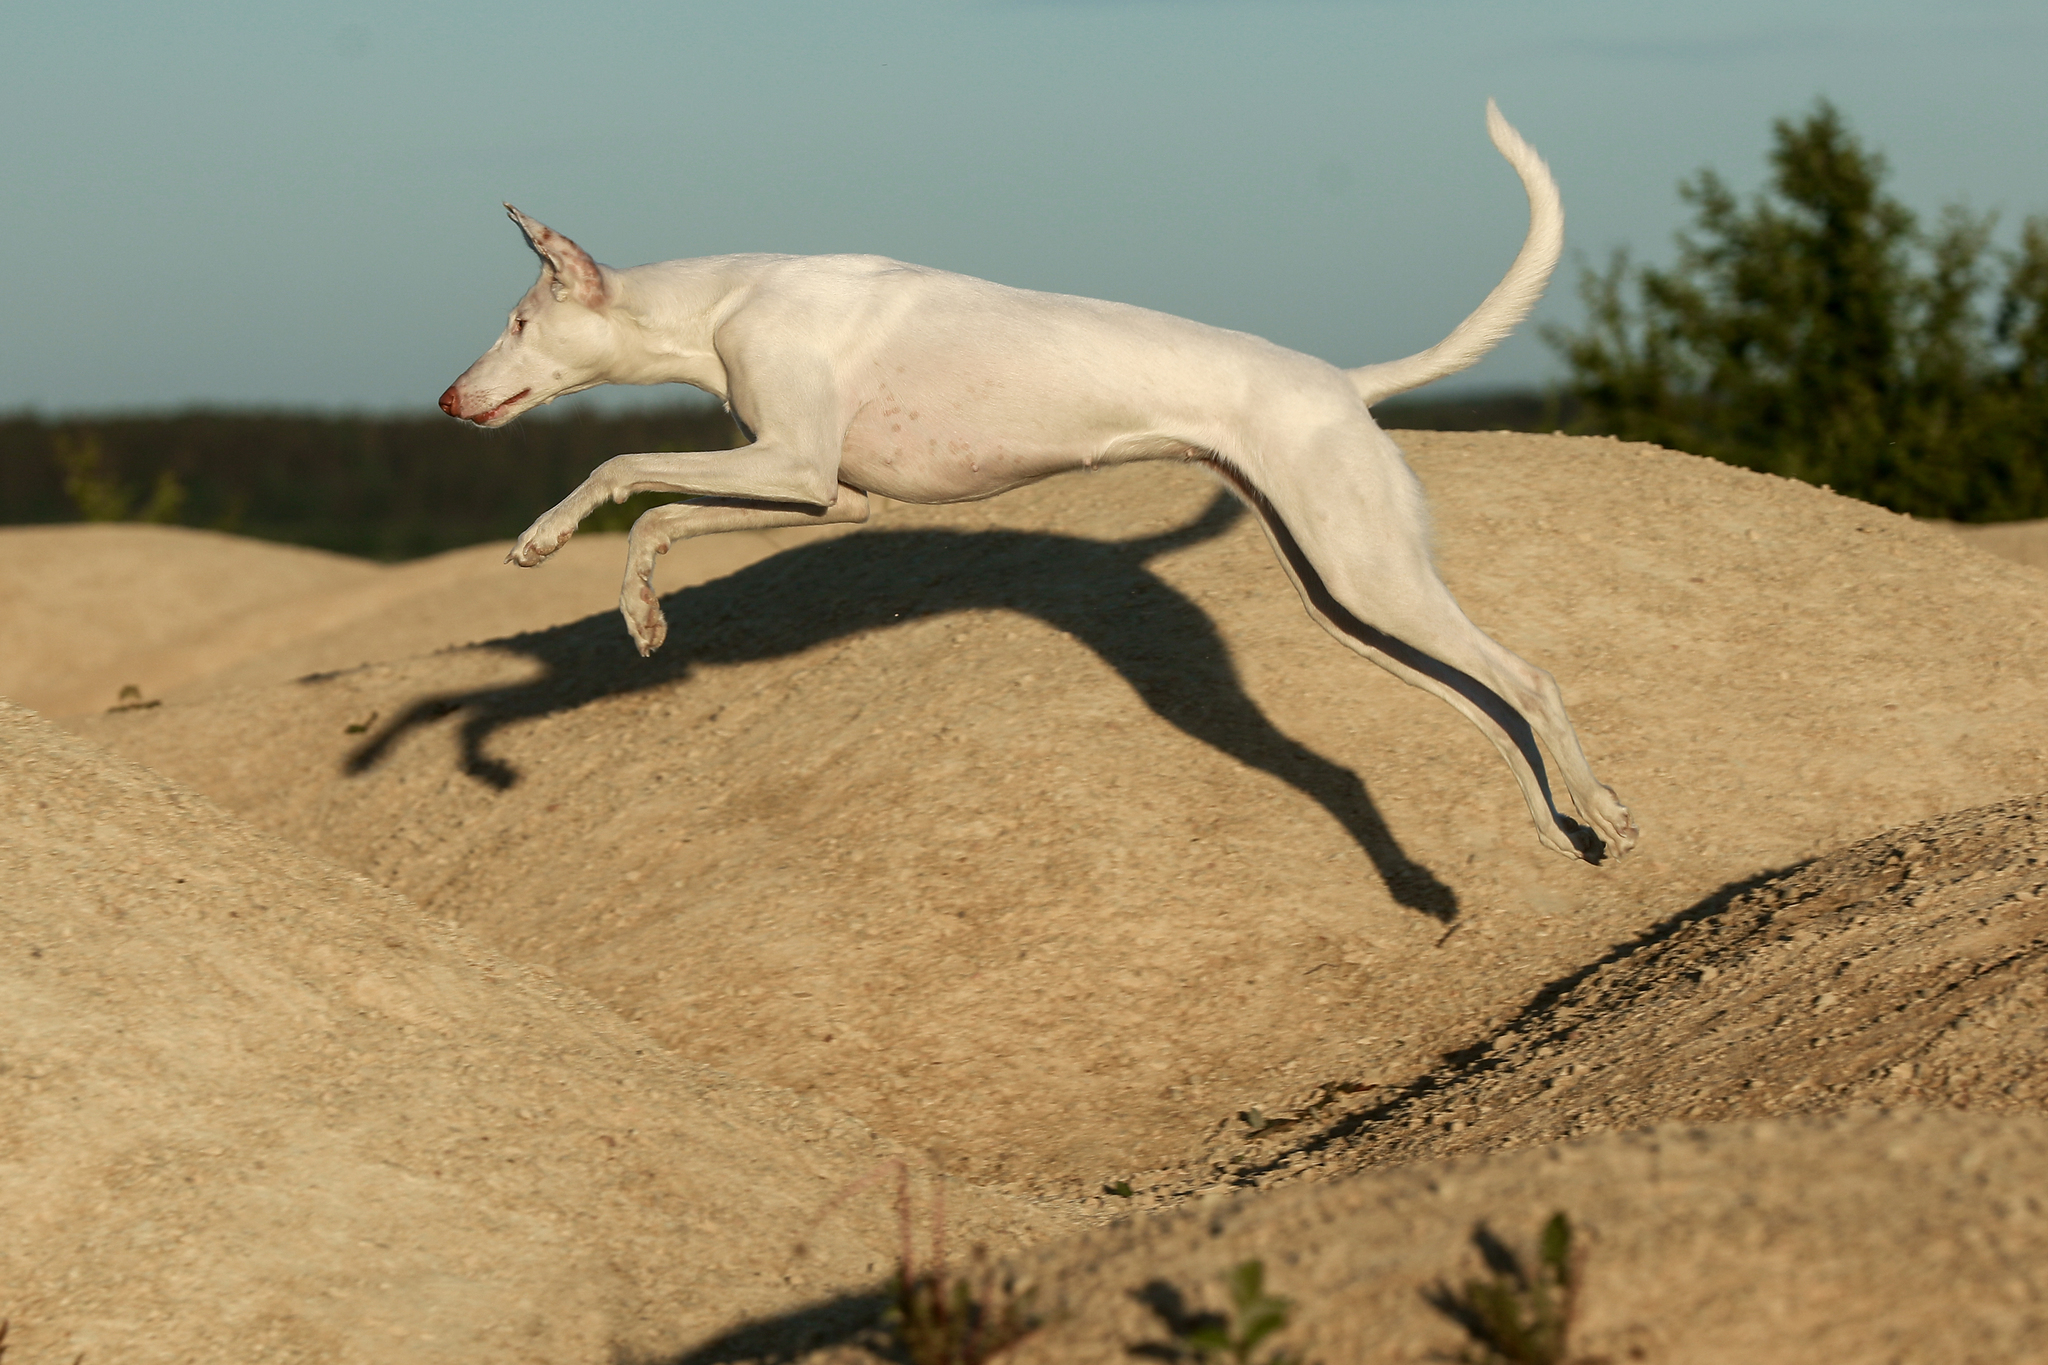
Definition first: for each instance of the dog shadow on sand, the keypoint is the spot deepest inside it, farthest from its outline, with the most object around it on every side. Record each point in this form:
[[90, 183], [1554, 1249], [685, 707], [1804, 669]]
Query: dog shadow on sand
[[1101, 592]]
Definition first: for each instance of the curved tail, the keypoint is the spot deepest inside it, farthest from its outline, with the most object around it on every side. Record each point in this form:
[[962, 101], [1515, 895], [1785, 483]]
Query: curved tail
[[1510, 300]]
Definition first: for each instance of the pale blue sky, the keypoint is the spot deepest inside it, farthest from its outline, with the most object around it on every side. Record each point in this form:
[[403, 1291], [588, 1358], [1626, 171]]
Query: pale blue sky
[[296, 204]]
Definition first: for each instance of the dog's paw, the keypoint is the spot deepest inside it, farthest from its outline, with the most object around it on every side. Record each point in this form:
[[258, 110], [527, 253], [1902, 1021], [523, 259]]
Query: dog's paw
[[1625, 833], [1612, 822], [1607, 834], [644, 619], [541, 539], [1570, 838]]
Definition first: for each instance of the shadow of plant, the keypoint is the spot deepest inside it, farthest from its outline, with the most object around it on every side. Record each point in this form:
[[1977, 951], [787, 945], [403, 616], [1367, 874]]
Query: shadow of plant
[[846, 1320], [1204, 1338]]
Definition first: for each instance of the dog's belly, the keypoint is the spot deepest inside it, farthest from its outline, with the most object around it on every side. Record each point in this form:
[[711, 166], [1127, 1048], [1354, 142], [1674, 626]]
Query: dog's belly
[[937, 431], [900, 450]]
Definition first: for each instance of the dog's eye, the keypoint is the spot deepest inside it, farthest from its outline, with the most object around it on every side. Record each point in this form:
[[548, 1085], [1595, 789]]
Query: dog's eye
[[518, 324]]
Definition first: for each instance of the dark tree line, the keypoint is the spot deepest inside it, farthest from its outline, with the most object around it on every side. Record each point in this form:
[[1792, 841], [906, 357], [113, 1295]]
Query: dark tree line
[[385, 487], [399, 487]]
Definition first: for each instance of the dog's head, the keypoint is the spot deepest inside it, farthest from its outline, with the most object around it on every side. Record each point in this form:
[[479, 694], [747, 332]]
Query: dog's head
[[561, 337]]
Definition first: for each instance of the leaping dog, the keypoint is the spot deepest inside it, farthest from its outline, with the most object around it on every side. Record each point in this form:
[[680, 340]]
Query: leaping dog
[[853, 375]]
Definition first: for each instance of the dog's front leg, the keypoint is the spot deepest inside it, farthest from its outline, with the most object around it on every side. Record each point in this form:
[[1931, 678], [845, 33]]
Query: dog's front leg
[[759, 473], [661, 527]]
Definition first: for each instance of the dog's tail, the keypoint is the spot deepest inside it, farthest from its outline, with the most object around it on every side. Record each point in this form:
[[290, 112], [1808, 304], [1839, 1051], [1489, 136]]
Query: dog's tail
[[1510, 300]]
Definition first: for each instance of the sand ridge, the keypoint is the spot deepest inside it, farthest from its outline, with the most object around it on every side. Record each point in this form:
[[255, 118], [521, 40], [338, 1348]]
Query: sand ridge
[[1046, 840], [1908, 971]]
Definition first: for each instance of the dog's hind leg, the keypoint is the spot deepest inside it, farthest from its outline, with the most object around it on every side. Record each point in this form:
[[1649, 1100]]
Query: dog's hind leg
[[1381, 597], [660, 527]]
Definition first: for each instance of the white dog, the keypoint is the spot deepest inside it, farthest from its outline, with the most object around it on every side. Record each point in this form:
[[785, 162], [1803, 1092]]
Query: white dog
[[854, 375]]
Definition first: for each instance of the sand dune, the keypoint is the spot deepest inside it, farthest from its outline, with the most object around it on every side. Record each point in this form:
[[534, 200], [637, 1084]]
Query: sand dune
[[260, 1109], [82, 607], [1047, 839]]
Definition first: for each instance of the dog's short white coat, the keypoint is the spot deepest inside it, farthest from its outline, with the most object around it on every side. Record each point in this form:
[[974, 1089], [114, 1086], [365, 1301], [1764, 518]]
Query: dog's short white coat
[[855, 375]]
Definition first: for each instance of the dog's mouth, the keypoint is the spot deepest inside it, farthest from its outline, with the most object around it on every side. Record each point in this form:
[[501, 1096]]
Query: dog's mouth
[[484, 419]]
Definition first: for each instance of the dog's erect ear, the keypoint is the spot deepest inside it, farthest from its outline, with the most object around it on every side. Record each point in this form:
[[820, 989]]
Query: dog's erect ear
[[575, 275]]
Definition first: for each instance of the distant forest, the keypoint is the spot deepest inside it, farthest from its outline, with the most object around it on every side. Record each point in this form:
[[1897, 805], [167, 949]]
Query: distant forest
[[382, 487], [399, 487]]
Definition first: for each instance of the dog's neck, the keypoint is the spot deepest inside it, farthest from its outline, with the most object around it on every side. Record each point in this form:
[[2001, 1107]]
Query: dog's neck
[[667, 317]]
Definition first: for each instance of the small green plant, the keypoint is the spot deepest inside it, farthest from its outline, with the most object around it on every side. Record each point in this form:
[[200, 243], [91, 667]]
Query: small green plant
[[1254, 1316], [1521, 1315], [99, 496], [1122, 1189]]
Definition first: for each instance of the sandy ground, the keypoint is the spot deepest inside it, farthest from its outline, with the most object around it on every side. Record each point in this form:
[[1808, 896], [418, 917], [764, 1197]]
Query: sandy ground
[[1908, 971], [2022, 542], [1046, 840], [88, 611], [258, 1108], [1867, 1238]]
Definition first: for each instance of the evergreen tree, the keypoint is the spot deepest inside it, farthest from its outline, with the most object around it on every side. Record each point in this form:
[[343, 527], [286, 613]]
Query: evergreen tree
[[1821, 333]]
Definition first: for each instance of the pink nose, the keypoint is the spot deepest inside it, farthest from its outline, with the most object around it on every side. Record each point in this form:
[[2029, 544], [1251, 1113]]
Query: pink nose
[[451, 403]]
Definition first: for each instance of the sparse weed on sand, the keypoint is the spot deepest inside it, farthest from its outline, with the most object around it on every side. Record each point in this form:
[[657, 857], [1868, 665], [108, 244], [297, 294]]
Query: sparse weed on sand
[[944, 1319], [938, 1317], [1521, 1315]]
